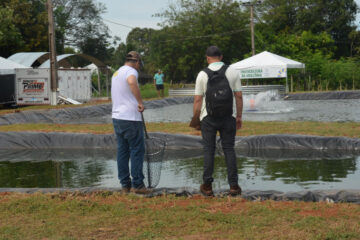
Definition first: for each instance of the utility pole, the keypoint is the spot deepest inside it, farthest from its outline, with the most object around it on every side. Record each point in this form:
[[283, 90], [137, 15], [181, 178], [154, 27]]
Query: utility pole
[[52, 49], [252, 4]]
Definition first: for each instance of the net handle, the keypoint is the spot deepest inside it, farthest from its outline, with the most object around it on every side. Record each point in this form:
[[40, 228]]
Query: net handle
[[142, 118], [147, 157]]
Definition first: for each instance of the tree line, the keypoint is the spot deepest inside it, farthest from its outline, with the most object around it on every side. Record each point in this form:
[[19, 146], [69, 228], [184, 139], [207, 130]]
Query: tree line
[[321, 34]]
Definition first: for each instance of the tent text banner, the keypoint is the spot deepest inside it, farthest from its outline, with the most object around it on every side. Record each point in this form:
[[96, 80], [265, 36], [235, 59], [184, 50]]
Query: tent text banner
[[264, 72]]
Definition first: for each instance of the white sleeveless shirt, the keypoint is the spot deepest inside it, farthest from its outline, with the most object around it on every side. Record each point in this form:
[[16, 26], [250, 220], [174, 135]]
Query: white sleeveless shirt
[[124, 103]]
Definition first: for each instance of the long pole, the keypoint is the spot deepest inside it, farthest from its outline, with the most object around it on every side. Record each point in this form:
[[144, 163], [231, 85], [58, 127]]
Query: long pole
[[252, 29], [251, 5], [52, 49]]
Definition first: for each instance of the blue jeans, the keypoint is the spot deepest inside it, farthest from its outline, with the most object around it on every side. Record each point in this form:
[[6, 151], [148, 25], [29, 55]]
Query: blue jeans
[[130, 145], [227, 129]]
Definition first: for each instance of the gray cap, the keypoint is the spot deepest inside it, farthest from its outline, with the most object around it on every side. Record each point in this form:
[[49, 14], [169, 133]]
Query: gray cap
[[133, 55]]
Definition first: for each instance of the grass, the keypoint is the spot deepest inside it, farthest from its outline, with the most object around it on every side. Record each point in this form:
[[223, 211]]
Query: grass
[[5, 110], [348, 129], [106, 215], [148, 92]]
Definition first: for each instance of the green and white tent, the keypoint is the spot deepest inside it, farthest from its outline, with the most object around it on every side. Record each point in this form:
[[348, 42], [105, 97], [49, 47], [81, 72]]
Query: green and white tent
[[266, 65]]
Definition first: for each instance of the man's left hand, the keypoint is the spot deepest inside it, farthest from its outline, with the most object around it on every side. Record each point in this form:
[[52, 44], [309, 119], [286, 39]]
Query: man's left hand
[[238, 123]]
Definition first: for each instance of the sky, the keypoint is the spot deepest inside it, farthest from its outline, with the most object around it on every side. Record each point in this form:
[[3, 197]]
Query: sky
[[132, 13], [139, 13]]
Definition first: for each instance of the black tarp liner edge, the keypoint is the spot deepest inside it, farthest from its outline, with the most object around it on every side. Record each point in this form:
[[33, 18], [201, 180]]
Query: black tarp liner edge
[[54, 140], [330, 196], [323, 95]]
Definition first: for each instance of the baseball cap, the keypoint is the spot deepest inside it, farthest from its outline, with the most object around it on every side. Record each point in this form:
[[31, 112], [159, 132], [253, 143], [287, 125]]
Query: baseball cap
[[133, 55], [213, 51]]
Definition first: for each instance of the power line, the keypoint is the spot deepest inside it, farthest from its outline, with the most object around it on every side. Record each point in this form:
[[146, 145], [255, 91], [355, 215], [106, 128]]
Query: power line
[[184, 38], [205, 36], [116, 23]]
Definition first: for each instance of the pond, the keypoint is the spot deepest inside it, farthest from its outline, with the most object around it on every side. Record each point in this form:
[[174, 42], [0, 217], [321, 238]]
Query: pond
[[69, 169], [264, 106], [268, 106]]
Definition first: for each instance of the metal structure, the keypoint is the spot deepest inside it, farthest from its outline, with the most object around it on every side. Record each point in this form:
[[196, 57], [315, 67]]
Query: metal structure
[[29, 59]]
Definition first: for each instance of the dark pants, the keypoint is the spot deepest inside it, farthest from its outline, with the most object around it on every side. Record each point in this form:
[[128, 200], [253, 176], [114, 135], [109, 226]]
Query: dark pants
[[130, 145], [159, 86], [227, 129]]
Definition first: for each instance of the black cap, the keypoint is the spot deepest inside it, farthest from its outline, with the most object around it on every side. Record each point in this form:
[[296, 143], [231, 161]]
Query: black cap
[[213, 51]]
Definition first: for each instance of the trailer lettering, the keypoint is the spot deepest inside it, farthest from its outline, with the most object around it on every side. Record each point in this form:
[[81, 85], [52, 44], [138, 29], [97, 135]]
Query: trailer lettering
[[33, 86]]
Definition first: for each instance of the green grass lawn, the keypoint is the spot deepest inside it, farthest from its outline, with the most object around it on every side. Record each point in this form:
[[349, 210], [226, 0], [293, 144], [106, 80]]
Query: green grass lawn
[[115, 216], [348, 129]]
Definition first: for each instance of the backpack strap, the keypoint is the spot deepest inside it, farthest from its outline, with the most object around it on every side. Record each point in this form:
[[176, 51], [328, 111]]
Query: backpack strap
[[210, 72], [223, 68]]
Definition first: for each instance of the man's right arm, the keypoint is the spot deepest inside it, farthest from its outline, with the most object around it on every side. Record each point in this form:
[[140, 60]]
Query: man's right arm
[[133, 84], [239, 108]]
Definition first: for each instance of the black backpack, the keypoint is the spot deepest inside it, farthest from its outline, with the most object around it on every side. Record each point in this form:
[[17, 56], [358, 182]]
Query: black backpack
[[219, 95]]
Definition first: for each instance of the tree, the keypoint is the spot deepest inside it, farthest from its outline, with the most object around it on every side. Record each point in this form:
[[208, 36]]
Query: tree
[[118, 58], [189, 27], [29, 18], [317, 16], [354, 37], [139, 39], [78, 21], [10, 36], [95, 45]]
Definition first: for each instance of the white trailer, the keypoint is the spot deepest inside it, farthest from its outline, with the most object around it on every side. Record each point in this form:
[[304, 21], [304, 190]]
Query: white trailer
[[33, 85]]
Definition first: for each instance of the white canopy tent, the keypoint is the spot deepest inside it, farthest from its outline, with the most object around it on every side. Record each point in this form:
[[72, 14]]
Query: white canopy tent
[[266, 65], [8, 67]]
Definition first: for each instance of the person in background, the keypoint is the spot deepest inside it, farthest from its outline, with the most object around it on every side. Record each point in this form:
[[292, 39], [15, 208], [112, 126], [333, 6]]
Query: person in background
[[222, 120], [127, 107], [159, 83]]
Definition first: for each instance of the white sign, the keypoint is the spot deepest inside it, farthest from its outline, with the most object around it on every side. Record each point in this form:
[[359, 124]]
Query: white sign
[[272, 72], [32, 86]]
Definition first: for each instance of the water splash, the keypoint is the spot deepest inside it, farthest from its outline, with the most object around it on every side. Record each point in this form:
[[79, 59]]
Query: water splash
[[265, 102]]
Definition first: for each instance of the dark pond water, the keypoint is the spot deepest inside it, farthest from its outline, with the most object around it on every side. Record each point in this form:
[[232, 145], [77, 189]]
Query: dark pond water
[[71, 169]]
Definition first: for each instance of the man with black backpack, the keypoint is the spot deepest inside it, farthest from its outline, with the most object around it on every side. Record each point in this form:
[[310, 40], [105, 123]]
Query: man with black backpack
[[216, 87]]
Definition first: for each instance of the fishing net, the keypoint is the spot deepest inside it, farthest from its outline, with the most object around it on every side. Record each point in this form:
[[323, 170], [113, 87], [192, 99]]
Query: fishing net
[[154, 154]]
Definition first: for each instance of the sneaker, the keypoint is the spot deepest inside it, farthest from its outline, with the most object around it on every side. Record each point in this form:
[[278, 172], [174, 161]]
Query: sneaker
[[142, 190], [125, 189], [235, 190], [206, 189]]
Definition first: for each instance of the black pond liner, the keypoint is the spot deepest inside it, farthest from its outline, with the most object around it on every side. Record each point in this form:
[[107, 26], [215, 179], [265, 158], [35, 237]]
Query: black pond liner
[[78, 113], [323, 95], [331, 196], [15, 144]]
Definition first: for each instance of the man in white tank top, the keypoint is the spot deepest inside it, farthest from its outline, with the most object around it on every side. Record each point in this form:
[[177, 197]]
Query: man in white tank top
[[127, 106]]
